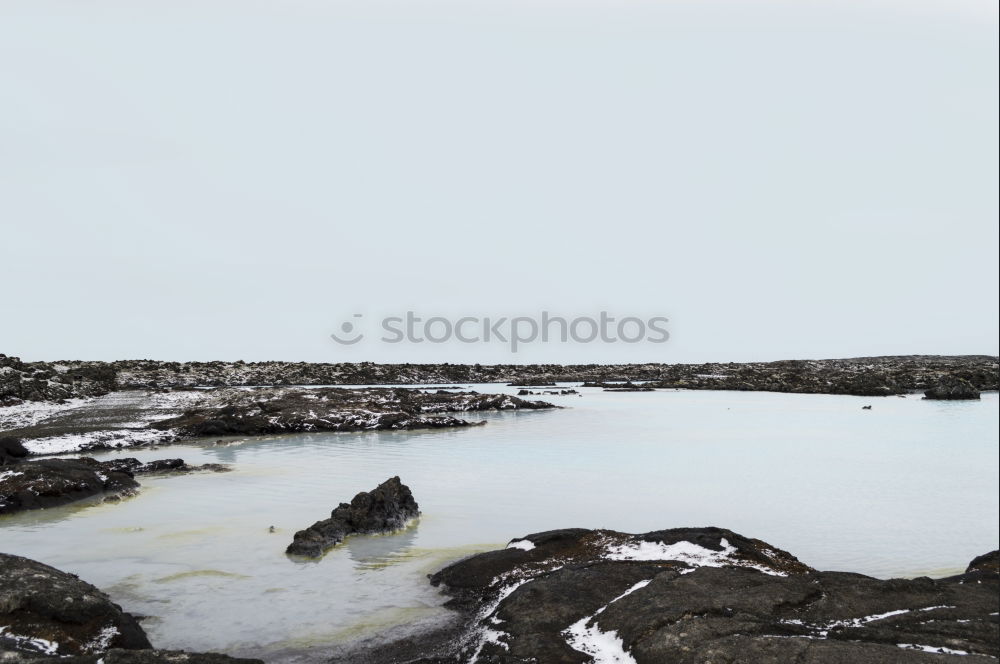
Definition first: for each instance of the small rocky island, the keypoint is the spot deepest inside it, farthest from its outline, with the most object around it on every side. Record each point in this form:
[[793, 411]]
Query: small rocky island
[[690, 596], [386, 508]]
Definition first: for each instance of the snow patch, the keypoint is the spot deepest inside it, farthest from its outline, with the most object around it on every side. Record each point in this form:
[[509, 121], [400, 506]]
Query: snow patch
[[523, 545], [686, 552], [604, 647], [42, 646]]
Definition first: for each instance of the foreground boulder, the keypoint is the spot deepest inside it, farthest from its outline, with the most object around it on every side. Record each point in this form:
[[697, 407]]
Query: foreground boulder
[[691, 596], [386, 508], [953, 388], [29, 485], [50, 616], [50, 612]]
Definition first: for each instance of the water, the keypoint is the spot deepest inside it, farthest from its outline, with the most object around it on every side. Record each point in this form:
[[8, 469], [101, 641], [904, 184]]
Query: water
[[905, 489]]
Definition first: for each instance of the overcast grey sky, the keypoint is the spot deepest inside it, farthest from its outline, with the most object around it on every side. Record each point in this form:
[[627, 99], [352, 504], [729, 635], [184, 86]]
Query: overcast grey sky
[[223, 179]]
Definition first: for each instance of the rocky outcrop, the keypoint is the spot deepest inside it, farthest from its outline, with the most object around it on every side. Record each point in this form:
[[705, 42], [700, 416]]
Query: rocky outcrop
[[50, 616], [988, 563], [865, 376], [386, 508], [50, 612], [29, 485], [953, 388], [691, 596]]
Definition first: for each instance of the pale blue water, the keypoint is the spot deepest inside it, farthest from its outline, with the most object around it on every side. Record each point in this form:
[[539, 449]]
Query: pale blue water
[[907, 488]]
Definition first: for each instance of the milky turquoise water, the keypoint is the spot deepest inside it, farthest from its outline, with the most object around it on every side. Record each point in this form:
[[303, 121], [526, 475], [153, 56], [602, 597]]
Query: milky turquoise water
[[907, 488]]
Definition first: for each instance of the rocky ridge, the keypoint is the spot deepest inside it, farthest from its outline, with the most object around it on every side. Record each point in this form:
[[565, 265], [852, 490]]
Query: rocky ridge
[[865, 376]]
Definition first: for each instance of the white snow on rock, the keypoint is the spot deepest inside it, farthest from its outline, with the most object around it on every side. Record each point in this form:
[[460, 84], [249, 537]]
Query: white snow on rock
[[686, 552], [76, 442], [30, 643], [523, 545], [29, 413], [604, 647]]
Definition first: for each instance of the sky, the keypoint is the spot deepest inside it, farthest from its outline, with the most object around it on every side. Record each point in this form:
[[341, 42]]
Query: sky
[[223, 179]]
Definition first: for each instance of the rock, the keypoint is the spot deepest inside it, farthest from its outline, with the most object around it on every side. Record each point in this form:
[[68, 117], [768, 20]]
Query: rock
[[50, 612], [44, 483], [50, 616], [953, 388], [29, 485], [11, 450], [386, 508], [160, 466], [698, 595], [988, 563], [863, 376], [288, 410]]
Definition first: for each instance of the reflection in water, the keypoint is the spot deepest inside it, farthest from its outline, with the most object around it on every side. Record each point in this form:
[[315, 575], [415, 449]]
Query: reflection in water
[[906, 487], [378, 551]]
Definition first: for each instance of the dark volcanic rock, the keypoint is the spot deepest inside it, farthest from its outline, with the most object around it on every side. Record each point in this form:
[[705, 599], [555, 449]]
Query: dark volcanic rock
[[988, 563], [50, 616], [286, 410], [386, 508], [33, 485], [866, 376], [11, 450], [700, 595], [50, 612], [954, 388], [29, 485]]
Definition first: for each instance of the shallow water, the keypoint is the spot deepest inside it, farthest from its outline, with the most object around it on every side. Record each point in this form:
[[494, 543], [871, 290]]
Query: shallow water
[[905, 489]]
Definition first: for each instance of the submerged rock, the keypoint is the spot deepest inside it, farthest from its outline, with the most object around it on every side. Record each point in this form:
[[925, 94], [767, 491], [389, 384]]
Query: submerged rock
[[691, 596], [47, 615], [29, 485], [386, 508], [953, 388]]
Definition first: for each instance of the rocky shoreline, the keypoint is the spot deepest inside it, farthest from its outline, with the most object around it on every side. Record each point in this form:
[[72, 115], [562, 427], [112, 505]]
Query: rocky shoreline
[[37, 484], [576, 596], [47, 615], [690, 596], [863, 376], [143, 418]]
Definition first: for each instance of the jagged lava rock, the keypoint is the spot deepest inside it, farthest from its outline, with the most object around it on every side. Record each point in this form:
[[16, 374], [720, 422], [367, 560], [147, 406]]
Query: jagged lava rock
[[386, 508]]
